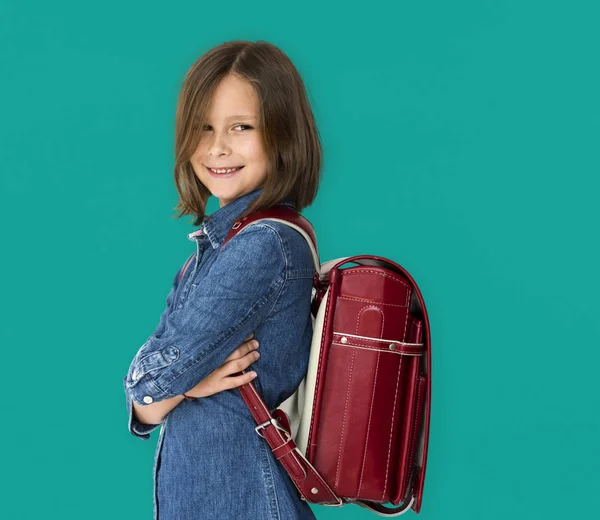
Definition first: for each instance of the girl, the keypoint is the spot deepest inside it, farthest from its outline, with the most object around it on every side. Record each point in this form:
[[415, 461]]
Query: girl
[[245, 133]]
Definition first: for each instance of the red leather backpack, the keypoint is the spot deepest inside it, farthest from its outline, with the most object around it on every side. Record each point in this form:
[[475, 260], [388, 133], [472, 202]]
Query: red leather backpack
[[357, 429]]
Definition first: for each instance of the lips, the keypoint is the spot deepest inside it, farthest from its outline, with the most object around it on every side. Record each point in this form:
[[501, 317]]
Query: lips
[[224, 175]]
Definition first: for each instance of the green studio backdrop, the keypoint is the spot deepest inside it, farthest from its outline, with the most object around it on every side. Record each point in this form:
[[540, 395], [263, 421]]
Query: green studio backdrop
[[460, 140]]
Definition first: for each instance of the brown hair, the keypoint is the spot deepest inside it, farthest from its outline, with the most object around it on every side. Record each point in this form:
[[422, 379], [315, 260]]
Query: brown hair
[[286, 125]]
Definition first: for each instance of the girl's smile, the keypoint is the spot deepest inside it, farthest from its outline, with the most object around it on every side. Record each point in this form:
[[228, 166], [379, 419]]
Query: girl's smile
[[224, 173]]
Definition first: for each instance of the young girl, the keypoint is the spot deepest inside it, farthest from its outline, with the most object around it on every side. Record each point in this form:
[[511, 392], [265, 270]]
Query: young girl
[[245, 133]]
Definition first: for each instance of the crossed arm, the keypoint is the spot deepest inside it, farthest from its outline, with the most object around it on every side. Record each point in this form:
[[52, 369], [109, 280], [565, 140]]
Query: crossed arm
[[194, 351], [222, 378]]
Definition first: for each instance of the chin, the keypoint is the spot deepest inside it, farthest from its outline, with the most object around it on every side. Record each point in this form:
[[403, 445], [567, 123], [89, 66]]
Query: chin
[[224, 195]]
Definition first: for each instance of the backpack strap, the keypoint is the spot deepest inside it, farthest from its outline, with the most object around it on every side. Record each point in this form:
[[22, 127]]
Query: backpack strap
[[306, 478], [185, 266], [283, 214]]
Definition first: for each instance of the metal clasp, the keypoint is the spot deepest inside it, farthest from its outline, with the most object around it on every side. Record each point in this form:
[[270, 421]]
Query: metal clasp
[[275, 423]]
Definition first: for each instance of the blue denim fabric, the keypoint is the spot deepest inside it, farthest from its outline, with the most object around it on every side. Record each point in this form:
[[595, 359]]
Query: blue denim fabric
[[209, 461]]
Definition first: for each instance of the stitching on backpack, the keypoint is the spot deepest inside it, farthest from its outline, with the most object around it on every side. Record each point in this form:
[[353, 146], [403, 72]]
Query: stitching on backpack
[[375, 349], [374, 385], [418, 406], [337, 469], [368, 429], [373, 307], [387, 468], [308, 466], [321, 355], [363, 271], [407, 315], [337, 478], [379, 340], [370, 301]]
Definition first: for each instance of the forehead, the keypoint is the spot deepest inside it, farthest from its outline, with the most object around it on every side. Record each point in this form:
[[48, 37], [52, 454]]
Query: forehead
[[233, 97]]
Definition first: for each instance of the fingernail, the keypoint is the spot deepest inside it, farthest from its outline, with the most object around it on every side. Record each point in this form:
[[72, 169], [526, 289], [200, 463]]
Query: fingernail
[[252, 375], [255, 343], [256, 355]]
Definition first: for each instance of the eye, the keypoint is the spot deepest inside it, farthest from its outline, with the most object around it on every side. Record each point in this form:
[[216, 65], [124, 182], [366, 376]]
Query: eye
[[208, 128]]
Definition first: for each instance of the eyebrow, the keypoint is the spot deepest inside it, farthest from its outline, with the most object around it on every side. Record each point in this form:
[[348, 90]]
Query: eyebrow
[[247, 116]]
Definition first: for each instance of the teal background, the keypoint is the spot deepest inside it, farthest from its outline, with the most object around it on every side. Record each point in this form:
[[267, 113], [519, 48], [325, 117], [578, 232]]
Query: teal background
[[460, 139]]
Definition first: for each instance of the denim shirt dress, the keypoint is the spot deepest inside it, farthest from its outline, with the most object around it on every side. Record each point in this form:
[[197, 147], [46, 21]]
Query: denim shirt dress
[[209, 461]]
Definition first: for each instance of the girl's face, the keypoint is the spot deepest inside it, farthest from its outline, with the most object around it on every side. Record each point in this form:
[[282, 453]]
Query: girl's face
[[229, 140]]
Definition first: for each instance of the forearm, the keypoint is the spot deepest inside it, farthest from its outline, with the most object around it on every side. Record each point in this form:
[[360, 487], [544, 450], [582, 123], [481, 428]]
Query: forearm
[[155, 413]]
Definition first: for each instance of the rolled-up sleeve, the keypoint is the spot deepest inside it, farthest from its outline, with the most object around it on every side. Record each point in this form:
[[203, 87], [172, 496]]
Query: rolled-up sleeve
[[223, 307], [135, 427]]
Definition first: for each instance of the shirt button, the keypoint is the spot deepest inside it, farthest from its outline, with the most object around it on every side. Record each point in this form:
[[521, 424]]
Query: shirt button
[[148, 399]]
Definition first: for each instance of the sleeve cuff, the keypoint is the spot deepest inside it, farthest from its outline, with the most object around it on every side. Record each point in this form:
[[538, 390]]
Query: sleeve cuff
[[135, 427]]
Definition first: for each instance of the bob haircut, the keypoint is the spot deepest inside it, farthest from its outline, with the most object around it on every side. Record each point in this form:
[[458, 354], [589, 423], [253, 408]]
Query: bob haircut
[[286, 125]]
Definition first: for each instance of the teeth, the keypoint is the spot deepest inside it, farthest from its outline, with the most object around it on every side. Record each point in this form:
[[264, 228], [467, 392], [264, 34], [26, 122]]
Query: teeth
[[224, 170]]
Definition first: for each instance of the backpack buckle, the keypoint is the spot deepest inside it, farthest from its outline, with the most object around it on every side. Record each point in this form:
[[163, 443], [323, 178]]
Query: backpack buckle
[[275, 423]]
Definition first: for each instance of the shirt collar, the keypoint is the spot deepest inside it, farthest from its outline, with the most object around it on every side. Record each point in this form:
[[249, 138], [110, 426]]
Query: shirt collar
[[217, 225]]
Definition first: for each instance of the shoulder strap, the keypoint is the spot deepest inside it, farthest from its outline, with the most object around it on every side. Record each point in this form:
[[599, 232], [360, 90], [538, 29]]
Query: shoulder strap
[[185, 266], [285, 215]]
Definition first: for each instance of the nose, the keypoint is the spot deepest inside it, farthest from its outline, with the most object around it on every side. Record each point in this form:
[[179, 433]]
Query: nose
[[219, 145]]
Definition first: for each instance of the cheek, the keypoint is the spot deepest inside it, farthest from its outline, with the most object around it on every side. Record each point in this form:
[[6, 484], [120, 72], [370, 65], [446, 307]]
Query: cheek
[[196, 158], [253, 149]]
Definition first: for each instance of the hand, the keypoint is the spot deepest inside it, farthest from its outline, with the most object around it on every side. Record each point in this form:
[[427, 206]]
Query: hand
[[221, 379]]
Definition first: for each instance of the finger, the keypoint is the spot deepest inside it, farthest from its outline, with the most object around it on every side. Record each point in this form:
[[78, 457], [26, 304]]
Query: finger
[[239, 364], [242, 350], [248, 339], [235, 381]]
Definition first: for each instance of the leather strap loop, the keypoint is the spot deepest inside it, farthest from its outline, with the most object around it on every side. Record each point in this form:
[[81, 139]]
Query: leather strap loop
[[284, 449], [306, 479]]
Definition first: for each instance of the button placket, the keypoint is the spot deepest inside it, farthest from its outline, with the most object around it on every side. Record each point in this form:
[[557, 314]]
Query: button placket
[[200, 248], [201, 244], [186, 288]]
